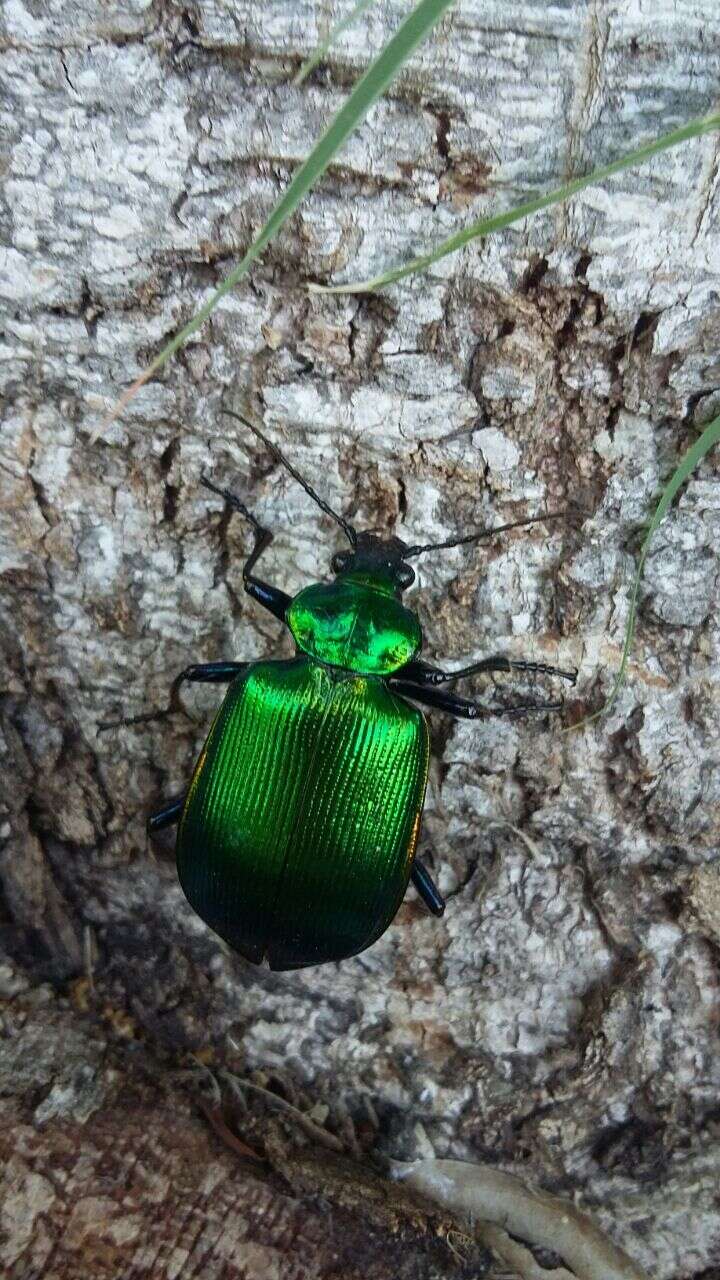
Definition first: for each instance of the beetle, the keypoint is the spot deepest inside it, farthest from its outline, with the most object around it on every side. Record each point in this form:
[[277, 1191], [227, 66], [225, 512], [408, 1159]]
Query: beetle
[[297, 835]]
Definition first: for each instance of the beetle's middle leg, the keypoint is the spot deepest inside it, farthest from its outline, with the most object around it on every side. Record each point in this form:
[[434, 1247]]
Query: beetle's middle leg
[[465, 708], [271, 598], [197, 673], [423, 673]]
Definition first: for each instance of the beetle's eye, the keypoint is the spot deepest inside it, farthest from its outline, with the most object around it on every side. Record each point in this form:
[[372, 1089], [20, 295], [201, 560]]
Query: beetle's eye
[[406, 577], [339, 562]]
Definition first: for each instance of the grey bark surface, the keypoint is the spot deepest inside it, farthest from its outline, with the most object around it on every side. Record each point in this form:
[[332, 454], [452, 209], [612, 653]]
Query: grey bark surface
[[561, 1021]]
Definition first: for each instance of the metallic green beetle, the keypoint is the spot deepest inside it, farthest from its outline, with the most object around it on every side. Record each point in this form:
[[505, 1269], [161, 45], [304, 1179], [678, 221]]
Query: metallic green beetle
[[297, 836]]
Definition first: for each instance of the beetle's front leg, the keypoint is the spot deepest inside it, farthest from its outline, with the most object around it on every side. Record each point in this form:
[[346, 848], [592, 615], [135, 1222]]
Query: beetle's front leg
[[197, 673], [465, 708], [271, 598]]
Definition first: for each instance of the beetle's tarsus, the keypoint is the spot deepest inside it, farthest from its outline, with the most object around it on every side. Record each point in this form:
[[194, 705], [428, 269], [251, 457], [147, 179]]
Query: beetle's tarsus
[[196, 673], [465, 708], [233, 501], [145, 717], [423, 673]]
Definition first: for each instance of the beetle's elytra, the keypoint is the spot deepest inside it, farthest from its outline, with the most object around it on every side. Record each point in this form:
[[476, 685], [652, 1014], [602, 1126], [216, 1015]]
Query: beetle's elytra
[[297, 835], [299, 830]]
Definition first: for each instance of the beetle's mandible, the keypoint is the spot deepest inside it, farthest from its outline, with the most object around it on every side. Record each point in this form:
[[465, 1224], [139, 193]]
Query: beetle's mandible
[[297, 835]]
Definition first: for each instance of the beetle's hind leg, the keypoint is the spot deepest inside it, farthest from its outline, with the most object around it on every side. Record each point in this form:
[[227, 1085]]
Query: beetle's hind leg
[[167, 816], [197, 673], [426, 888]]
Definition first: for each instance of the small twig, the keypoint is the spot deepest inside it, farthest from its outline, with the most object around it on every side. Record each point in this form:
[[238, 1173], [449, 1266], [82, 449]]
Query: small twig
[[89, 957], [348, 1129], [215, 1117], [213, 1112], [463, 1236], [201, 1069], [312, 1129], [530, 845], [235, 1089]]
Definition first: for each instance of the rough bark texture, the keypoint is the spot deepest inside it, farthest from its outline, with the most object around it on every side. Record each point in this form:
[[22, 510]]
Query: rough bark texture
[[562, 1020]]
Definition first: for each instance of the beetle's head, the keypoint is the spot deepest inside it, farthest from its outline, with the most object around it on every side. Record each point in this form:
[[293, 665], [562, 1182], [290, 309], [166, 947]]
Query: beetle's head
[[375, 559]]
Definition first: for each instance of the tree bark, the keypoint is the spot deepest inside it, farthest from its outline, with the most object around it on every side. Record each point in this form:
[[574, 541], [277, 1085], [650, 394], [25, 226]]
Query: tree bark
[[561, 1021]]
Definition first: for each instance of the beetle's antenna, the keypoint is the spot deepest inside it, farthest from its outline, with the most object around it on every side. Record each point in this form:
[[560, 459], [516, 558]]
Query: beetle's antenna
[[345, 525], [482, 533]]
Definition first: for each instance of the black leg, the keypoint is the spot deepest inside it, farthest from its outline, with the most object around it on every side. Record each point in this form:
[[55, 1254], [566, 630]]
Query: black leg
[[427, 889], [210, 673], [465, 708], [198, 673], [422, 673], [167, 816], [271, 598]]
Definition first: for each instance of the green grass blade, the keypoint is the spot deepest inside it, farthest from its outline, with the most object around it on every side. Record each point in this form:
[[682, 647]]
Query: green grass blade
[[495, 223], [336, 31], [411, 32], [687, 464]]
